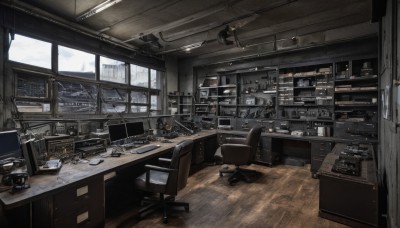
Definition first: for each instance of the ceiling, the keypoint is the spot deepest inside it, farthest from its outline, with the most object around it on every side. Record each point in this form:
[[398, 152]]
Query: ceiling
[[190, 28]]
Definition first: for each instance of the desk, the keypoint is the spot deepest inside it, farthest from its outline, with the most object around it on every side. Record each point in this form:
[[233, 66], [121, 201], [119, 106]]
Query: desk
[[352, 200], [76, 193], [274, 145]]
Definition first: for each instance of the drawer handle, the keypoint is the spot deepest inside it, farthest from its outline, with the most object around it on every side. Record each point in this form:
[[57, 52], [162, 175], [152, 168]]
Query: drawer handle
[[82, 191], [82, 217]]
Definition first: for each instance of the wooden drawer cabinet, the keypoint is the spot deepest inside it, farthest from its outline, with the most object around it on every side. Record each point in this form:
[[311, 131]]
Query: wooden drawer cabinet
[[81, 205]]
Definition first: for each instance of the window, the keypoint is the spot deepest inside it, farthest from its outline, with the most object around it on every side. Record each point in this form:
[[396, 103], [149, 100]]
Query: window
[[112, 70], [155, 79], [76, 97], [31, 94], [76, 63], [139, 76], [30, 51], [155, 102], [139, 101], [32, 106], [29, 86], [115, 100]]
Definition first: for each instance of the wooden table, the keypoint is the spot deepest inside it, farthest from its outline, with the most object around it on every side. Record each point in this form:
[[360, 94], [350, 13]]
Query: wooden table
[[83, 183], [352, 200]]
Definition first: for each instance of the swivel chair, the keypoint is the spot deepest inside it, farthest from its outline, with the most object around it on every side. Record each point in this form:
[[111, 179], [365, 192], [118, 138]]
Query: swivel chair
[[167, 181], [240, 151]]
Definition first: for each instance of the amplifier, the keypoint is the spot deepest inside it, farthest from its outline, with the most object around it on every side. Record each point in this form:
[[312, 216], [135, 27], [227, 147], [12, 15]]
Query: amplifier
[[60, 149], [90, 147]]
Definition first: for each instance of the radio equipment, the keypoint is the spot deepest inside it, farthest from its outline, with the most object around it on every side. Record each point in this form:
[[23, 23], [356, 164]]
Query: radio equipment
[[60, 148], [90, 147]]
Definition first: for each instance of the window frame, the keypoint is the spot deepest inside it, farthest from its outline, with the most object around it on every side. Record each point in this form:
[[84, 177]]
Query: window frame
[[52, 76]]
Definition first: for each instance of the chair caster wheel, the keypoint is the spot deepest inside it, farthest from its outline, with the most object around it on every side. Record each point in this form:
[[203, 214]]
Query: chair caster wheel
[[187, 209], [165, 220], [220, 174]]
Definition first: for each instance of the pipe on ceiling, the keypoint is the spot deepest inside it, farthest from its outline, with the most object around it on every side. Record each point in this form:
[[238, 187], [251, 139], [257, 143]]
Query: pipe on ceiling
[[36, 12]]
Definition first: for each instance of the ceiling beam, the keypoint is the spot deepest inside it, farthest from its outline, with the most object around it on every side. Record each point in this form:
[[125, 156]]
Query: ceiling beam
[[180, 22]]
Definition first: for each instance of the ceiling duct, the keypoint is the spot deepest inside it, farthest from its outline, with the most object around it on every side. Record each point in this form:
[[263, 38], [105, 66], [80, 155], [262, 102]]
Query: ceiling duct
[[223, 35]]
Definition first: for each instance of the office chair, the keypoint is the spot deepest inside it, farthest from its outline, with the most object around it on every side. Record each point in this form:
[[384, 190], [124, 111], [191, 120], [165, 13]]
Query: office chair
[[167, 181], [239, 151]]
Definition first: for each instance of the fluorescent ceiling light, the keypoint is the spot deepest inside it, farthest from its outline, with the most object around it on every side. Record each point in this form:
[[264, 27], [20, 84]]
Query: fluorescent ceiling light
[[190, 47], [97, 9]]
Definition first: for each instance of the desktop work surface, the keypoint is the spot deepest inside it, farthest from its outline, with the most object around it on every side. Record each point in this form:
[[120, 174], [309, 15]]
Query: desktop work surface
[[72, 175]]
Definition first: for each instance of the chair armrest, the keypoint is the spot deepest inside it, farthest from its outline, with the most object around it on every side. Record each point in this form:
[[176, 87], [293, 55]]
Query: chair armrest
[[156, 168], [237, 154], [236, 140], [164, 161]]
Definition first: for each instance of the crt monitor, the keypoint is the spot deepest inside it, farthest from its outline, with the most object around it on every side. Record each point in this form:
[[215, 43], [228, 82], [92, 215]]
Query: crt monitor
[[9, 145], [224, 123], [135, 129], [117, 132]]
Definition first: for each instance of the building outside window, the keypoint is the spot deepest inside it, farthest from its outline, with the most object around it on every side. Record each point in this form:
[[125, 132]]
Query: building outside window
[[112, 70]]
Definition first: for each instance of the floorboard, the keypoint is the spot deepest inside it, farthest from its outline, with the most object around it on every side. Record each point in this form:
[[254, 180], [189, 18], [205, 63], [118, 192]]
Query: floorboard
[[284, 196]]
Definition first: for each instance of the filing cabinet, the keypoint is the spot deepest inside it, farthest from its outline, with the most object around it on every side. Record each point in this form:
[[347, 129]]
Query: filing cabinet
[[319, 150], [81, 205]]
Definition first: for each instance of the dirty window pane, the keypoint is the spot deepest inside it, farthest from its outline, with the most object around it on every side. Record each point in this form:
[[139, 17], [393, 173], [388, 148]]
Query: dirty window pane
[[138, 108], [76, 63], [139, 97], [139, 76], [114, 108], [155, 79], [111, 94], [76, 98], [30, 51], [33, 106], [29, 86], [112, 70]]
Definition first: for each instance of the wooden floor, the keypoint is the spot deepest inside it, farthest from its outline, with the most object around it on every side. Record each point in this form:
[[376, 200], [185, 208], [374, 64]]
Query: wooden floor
[[284, 196]]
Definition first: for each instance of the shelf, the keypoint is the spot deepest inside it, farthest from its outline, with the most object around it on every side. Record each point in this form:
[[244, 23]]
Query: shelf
[[357, 79], [308, 120], [210, 87], [304, 87], [356, 105], [223, 96], [203, 104], [244, 105], [358, 91], [186, 104], [313, 75], [227, 86], [227, 105]]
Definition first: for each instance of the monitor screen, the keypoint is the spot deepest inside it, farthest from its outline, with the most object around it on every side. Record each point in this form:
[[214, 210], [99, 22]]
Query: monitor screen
[[9, 145], [117, 132], [224, 122], [134, 129]]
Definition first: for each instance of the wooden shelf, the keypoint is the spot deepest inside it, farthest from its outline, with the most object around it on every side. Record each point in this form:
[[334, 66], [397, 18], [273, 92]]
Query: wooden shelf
[[357, 79], [358, 91], [304, 87]]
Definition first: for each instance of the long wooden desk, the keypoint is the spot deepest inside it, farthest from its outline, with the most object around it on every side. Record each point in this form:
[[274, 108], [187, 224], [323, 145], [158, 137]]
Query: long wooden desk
[[70, 175], [274, 145]]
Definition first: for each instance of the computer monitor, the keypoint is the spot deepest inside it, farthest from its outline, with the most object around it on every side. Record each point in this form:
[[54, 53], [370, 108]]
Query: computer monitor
[[224, 123], [135, 128], [117, 132], [10, 145]]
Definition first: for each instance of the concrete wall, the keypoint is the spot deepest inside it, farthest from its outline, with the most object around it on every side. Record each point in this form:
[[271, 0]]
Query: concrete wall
[[389, 149], [171, 63]]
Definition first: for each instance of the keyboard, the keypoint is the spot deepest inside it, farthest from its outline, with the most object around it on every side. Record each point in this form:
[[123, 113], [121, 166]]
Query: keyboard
[[145, 149]]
